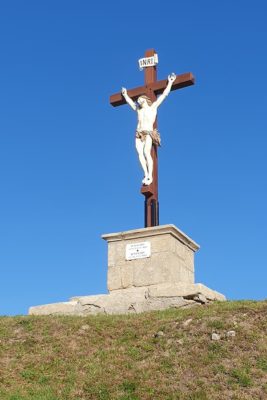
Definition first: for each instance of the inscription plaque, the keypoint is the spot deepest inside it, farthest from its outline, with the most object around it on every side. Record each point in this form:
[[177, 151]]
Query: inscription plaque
[[138, 250]]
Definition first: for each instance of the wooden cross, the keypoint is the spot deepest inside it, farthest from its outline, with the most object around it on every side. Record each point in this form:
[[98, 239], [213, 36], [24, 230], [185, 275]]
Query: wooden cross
[[152, 89]]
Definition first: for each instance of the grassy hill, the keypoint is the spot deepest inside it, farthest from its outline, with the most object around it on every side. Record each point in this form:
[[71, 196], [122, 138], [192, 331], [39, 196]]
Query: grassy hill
[[158, 355]]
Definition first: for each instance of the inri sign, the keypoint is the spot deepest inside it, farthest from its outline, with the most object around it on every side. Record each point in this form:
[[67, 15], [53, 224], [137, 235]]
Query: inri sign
[[148, 61]]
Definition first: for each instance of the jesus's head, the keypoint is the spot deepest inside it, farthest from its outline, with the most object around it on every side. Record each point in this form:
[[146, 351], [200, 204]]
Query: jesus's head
[[144, 99]]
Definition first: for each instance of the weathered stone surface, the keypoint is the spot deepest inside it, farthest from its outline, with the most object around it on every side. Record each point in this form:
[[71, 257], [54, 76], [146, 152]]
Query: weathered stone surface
[[64, 308], [163, 280], [171, 260], [143, 233], [127, 275], [114, 278], [200, 298], [125, 301], [209, 293], [188, 291]]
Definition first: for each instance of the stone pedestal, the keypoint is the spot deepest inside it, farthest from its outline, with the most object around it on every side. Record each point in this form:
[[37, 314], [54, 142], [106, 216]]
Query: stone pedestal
[[148, 269], [170, 258]]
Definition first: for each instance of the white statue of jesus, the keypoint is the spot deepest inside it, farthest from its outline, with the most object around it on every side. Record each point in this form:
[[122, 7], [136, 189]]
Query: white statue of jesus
[[146, 135]]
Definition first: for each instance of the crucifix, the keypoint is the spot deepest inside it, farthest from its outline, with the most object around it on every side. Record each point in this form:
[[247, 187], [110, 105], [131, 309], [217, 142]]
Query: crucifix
[[147, 137]]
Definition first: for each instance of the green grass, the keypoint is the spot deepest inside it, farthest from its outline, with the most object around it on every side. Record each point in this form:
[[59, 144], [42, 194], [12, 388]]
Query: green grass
[[262, 363], [120, 357], [242, 377]]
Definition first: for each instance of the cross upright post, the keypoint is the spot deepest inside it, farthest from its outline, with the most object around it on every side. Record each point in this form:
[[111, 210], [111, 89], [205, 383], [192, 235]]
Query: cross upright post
[[152, 88], [151, 211]]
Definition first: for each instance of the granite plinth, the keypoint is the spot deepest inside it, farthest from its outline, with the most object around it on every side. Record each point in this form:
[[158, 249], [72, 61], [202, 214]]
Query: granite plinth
[[160, 276], [171, 259]]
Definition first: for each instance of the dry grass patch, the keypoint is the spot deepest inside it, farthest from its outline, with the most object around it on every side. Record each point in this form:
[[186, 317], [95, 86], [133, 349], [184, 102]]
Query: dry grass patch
[[157, 355]]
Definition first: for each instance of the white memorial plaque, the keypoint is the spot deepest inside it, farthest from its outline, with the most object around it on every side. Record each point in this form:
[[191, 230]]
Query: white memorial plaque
[[138, 250]]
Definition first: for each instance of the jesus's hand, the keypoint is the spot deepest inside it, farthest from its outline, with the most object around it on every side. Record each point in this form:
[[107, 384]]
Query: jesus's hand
[[172, 77], [123, 91]]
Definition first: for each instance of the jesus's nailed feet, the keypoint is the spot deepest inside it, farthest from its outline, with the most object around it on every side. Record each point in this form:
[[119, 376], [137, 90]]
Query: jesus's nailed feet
[[147, 181]]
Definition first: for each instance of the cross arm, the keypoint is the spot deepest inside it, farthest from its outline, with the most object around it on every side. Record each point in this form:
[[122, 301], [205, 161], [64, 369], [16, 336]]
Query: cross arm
[[180, 82], [158, 87]]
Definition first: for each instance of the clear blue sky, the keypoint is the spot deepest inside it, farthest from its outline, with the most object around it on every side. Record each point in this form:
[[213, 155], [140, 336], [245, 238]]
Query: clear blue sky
[[69, 170]]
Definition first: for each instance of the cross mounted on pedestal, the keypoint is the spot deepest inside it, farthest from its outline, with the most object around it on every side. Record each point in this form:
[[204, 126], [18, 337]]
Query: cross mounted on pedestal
[[152, 88]]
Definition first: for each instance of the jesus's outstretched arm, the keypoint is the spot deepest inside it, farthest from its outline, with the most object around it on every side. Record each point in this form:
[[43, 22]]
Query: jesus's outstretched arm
[[171, 79], [128, 99]]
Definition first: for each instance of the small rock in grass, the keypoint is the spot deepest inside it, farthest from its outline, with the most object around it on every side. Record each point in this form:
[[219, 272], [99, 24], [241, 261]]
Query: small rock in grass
[[159, 334], [215, 336], [187, 322], [230, 334], [85, 327]]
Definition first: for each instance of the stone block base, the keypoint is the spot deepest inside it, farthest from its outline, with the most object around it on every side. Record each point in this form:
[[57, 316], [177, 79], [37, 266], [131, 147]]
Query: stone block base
[[170, 258], [148, 269], [133, 300]]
